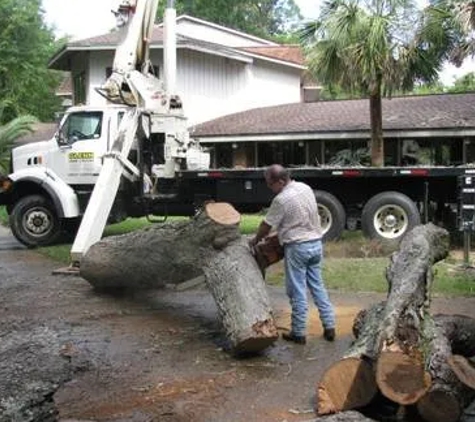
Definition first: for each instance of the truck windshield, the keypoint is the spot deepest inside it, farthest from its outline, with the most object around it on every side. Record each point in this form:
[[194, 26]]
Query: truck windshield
[[82, 125]]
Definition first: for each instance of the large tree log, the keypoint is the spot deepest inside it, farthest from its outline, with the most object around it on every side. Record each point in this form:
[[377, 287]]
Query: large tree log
[[241, 297], [390, 352], [209, 244], [447, 396], [401, 346], [162, 254]]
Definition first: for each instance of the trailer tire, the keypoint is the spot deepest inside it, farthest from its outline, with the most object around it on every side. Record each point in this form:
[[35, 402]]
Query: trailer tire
[[34, 221], [332, 215], [388, 216]]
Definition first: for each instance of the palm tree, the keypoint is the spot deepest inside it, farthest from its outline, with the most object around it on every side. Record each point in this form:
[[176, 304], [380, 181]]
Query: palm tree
[[372, 47], [453, 22], [9, 132]]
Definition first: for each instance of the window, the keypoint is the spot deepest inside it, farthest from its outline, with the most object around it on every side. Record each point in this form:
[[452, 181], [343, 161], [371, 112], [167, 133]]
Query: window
[[83, 125], [79, 88]]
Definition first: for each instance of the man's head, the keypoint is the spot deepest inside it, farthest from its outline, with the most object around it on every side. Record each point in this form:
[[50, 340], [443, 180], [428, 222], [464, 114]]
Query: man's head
[[276, 177]]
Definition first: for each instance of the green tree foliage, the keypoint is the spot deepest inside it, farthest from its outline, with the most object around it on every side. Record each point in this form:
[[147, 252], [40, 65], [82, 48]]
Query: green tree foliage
[[26, 44], [263, 18], [465, 83], [373, 47], [9, 132]]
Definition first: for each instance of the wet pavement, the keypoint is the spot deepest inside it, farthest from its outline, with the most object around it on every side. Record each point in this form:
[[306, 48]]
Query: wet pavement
[[162, 356], [8, 241]]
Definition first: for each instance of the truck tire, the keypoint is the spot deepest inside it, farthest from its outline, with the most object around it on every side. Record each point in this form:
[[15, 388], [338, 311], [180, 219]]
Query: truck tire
[[34, 221], [388, 216], [332, 215]]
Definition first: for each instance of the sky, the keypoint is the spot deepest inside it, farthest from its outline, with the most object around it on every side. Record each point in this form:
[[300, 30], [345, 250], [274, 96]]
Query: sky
[[86, 18]]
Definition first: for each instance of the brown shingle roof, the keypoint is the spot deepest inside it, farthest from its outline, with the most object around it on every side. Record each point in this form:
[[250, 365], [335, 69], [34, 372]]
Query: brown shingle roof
[[444, 111], [41, 132], [112, 39], [287, 53]]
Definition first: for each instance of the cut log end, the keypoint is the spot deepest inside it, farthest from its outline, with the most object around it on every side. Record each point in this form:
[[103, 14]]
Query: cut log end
[[254, 345], [222, 213], [402, 378], [464, 370], [347, 384], [264, 335], [439, 406]]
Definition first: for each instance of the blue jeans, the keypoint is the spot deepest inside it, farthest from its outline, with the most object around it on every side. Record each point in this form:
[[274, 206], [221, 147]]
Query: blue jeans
[[303, 269]]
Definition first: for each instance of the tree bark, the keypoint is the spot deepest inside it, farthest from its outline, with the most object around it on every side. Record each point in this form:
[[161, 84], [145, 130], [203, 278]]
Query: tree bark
[[350, 416], [168, 254], [450, 391], [235, 281], [389, 353], [209, 244], [448, 334], [400, 345]]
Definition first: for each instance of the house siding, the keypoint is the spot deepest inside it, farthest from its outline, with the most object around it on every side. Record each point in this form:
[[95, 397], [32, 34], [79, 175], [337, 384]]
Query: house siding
[[212, 86]]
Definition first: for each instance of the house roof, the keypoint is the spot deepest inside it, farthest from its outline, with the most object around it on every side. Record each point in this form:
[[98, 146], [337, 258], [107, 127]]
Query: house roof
[[41, 132], [286, 55], [336, 119]]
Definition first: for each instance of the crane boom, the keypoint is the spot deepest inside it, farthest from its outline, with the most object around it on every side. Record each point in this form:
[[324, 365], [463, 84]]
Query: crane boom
[[153, 110]]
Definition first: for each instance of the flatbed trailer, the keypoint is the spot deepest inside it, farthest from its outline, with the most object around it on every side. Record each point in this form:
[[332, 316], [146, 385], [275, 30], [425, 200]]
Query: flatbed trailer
[[383, 202]]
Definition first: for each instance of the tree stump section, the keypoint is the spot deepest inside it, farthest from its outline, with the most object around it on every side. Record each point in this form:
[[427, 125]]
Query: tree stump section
[[450, 391], [209, 244], [393, 341]]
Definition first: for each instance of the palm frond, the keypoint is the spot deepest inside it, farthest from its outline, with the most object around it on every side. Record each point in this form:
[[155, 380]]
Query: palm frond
[[9, 133]]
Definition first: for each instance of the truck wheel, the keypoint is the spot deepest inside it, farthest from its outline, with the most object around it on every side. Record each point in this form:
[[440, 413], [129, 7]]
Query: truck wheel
[[388, 216], [34, 221], [332, 215]]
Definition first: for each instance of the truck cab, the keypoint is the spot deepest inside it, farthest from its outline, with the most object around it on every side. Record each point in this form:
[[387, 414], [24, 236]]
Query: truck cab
[[51, 181]]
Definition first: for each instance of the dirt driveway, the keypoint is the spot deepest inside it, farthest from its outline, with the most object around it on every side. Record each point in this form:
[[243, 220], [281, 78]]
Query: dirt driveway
[[161, 356]]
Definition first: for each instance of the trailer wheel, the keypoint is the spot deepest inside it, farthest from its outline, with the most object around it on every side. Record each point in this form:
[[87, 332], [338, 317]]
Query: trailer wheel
[[34, 221], [388, 216], [332, 215]]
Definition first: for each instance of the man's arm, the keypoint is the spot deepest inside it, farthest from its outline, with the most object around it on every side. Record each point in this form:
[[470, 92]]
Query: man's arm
[[262, 231]]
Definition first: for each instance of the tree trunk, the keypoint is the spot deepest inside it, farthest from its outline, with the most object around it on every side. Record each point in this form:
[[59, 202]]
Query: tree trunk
[[401, 346], [167, 254], [209, 244], [390, 351], [448, 395], [235, 281]]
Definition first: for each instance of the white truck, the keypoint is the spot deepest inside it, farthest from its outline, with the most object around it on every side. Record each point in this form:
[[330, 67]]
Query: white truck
[[141, 134]]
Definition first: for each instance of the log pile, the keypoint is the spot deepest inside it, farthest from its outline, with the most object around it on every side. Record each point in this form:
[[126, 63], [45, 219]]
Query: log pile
[[401, 352], [210, 244]]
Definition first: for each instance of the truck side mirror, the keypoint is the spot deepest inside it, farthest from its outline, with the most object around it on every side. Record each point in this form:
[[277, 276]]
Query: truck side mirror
[[60, 138]]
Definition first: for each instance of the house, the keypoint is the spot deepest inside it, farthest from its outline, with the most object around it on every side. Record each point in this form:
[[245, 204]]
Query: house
[[418, 130], [219, 70]]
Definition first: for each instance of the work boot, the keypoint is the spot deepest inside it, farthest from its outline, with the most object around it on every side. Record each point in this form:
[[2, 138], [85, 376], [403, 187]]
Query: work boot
[[292, 337], [329, 334]]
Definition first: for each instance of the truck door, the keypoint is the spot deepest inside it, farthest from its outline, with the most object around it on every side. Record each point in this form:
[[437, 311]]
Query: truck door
[[82, 140]]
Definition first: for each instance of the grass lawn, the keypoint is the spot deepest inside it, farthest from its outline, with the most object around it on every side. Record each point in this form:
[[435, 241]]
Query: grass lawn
[[351, 264]]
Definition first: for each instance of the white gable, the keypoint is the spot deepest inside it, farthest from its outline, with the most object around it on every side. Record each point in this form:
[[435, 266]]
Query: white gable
[[207, 31]]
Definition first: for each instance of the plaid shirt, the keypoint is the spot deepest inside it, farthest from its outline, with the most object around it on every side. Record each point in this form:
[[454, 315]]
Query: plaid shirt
[[294, 214]]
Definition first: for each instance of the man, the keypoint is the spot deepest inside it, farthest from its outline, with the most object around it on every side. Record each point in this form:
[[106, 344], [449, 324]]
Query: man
[[294, 215]]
